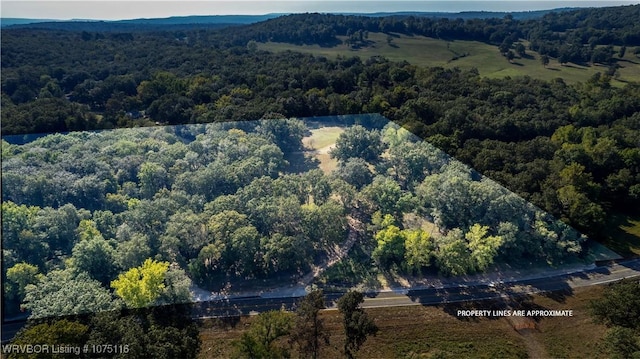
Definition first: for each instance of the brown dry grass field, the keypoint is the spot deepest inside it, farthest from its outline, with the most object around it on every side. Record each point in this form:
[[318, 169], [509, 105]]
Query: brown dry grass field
[[431, 332]]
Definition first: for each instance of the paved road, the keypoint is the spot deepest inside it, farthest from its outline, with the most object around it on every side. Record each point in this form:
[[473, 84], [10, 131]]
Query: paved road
[[423, 296], [565, 282]]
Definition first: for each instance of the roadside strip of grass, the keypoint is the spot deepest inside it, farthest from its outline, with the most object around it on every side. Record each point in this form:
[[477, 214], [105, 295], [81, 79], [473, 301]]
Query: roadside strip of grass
[[436, 332]]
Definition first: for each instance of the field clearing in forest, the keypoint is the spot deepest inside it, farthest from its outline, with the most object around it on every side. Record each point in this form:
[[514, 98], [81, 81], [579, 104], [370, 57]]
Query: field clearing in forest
[[430, 52], [321, 141]]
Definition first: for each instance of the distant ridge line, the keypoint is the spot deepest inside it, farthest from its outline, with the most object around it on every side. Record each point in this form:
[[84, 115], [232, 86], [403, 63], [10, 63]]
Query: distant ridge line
[[226, 20]]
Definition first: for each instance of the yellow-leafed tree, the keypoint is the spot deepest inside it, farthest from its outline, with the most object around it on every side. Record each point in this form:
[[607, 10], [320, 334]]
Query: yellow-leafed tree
[[141, 286]]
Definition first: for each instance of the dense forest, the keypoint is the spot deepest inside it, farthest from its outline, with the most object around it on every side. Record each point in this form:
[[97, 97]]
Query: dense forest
[[195, 195], [578, 36], [94, 221], [570, 149]]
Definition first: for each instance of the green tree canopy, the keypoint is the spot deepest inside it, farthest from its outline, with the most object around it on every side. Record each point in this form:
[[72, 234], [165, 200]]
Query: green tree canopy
[[483, 248], [358, 142], [61, 332], [452, 254], [390, 244], [169, 332], [19, 276], [622, 343], [286, 133], [418, 249], [62, 292], [260, 340], [619, 305], [93, 254], [619, 309], [354, 171]]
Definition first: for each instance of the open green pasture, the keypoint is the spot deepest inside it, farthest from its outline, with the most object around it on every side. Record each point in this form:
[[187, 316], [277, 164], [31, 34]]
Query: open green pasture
[[429, 52], [322, 137]]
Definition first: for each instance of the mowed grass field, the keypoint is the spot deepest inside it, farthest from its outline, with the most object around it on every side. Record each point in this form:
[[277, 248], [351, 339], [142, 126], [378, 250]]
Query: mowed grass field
[[322, 137], [429, 52], [432, 332], [320, 141]]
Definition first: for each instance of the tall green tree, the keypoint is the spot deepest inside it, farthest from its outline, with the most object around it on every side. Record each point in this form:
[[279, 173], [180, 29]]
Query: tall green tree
[[452, 254], [58, 227], [132, 252], [19, 242], [177, 287], [286, 133], [152, 177], [260, 340], [308, 329], [325, 225], [544, 60], [232, 232], [354, 171], [19, 276], [17, 279], [384, 194], [357, 325]]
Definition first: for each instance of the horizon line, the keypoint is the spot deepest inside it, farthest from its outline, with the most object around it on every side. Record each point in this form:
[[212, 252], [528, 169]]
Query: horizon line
[[104, 11]]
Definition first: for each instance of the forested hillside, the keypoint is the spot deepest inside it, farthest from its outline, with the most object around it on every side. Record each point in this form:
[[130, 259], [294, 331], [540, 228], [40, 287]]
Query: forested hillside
[[580, 36]]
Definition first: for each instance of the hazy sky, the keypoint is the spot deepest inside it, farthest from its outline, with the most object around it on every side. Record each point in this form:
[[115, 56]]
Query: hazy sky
[[122, 9]]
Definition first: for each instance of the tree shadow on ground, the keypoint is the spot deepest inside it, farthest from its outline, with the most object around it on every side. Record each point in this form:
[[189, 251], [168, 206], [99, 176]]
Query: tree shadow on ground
[[224, 323], [625, 60], [559, 296], [619, 236], [573, 67], [301, 162], [392, 279]]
